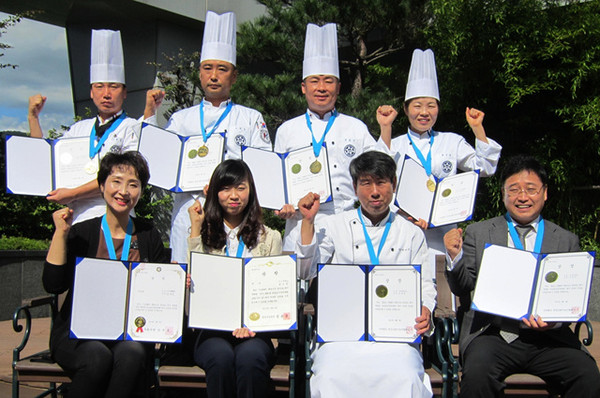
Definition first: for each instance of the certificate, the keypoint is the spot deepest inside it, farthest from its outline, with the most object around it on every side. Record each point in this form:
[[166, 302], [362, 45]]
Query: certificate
[[139, 301], [36, 166], [516, 283], [374, 303], [156, 297], [282, 178], [180, 163], [228, 293], [438, 201]]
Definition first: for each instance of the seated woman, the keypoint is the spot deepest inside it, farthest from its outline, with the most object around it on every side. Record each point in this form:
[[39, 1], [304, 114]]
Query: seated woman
[[101, 368], [231, 224]]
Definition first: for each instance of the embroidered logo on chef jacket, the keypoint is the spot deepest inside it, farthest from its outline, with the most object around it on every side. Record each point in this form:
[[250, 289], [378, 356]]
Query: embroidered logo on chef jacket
[[350, 150], [240, 140], [115, 149], [264, 133], [447, 166]]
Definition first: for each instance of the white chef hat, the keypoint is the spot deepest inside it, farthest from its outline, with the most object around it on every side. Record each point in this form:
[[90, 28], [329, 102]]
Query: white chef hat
[[422, 78], [106, 63], [218, 41], [320, 51]]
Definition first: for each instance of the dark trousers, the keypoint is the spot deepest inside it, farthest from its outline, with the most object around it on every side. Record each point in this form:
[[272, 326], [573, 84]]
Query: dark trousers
[[235, 366], [102, 369], [488, 360]]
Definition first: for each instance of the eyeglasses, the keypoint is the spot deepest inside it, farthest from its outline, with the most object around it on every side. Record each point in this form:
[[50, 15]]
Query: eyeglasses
[[530, 191]]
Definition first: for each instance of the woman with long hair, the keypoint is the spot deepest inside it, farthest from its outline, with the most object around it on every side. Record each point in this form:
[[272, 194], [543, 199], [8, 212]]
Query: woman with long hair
[[230, 223]]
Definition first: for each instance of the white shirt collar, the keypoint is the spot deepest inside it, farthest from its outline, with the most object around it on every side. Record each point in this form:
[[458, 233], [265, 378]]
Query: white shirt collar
[[325, 117]]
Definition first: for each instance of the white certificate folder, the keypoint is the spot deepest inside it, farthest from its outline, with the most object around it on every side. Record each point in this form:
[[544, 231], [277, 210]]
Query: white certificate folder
[[121, 300], [368, 303], [440, 202], [282, 178], [228, 293], [36, 166], [180, 163], [517, 284]]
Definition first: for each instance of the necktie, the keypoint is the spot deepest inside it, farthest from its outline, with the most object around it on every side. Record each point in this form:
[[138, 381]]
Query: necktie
[[509, 329]]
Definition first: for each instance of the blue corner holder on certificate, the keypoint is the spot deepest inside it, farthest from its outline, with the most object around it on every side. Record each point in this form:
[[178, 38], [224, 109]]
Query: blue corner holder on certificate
[[517, 284], [375, 303]]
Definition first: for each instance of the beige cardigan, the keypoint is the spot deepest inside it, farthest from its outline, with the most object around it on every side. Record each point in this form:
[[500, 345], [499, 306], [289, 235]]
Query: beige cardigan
[[269, 244]]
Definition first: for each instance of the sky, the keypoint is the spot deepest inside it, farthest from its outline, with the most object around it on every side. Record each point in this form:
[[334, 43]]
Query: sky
[[40, 50]]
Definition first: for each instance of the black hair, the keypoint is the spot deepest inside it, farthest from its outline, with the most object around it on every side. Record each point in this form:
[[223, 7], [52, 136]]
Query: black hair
[[373, 163], [518, 163], [131, 158], [231, 172]]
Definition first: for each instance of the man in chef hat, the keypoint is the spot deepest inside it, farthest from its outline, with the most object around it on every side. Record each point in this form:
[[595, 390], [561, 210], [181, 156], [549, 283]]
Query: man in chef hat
[[242, 126], [344, 137], [110, 131]]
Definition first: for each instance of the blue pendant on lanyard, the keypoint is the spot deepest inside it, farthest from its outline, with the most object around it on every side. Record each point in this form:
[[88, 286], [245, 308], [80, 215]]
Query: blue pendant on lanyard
[[375, 257], [425, 162], [318, 145], [515, 236], [240, 249], [109, 242], [95, 148], [206, 136]]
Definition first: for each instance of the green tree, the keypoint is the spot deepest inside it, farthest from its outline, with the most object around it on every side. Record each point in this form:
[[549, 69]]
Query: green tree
[[6, 23]]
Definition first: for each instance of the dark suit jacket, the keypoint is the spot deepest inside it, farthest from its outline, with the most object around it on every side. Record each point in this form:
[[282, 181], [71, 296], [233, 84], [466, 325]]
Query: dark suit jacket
[[464, 274]]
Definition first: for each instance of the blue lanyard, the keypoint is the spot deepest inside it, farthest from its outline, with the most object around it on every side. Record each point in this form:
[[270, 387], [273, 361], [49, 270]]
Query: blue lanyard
[[318, 145], [425, 162], [515, 236], [240, 249], [109, 242], [205, 136], [388, 224], [94, 149]]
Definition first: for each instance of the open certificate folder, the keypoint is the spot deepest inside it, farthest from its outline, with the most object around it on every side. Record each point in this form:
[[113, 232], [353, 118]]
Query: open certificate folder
[[365, 302], [116, 300], [180, 163], [36, 166], [228, 293], [282, 178], [439, 202], [516, 283]]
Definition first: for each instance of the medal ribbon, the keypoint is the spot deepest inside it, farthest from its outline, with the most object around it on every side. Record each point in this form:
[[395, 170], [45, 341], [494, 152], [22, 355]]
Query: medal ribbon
[[206, 136], [318, 145], [95, 148], [425, 162], [240, 249], [515, 236], [109, 242], [370, 248]]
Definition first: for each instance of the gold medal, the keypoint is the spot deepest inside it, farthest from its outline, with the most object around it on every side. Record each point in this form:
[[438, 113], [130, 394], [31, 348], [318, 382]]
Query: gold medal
[[255, 316], [91, 167], [296, 168], [430, 184], [315, 167], [192, 154], [203, 151], [381, 291]]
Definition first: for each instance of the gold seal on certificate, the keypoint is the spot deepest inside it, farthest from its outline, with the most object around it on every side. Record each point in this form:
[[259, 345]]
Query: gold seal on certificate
[[430, 184], [315, 167], [296, 168], [91, 167], [192, 154], [203, 151], [551, 277], [140, 322], [381, 291], [255, 316], [446, 192]]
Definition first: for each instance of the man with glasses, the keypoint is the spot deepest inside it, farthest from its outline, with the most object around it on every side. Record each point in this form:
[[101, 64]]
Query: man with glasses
[[494, 347]]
